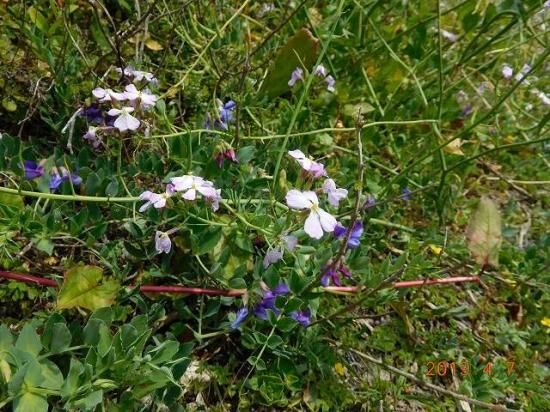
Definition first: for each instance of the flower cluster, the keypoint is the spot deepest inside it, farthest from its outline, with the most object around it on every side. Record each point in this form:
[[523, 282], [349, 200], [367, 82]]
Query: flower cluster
[[267, 303], [508, 73], [320, 71], [126, 107], [318, 220], [58, 175], [190, 187]]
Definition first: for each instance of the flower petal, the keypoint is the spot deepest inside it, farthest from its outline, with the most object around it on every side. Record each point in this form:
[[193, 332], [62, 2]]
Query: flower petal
[[297, 200], [328, 222], [313, 226]]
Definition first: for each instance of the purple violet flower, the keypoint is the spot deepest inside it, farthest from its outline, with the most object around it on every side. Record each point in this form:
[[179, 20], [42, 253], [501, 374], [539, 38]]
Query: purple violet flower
[[93, 114], [330, 273], [57, 179], [331, 83], [163, 244], [507, 72], [406, 194], [303, 317], [268, 301], [369, 202], [355, 236], [32, 169], [242, 314]]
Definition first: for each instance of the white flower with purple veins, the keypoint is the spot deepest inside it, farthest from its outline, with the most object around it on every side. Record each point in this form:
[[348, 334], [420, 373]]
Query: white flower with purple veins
[[191, 185], [507, 72], [146, 98], [163, 244], [297, 74], [449, 36], [158, 201], [320, 71], [334, 194], [138, 75], [91, 136], [312, 167], [318, 221], [107, 95], [125, 121]]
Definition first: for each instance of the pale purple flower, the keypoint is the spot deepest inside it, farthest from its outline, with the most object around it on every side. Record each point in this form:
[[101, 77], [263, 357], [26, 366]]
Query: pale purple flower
[[297, 74], [334, 194], [137, 75], [290, 242], [449, 36], [163, 244], [91, 136], [332, 274], [331, 83], [507, 71], [315, 169], [318, 221], [107, 95], [146, 99], [241, 316], [158, 201], [320, 71], [406, 194], [547, 4], [125, 121], [273, 256], [191, 185]]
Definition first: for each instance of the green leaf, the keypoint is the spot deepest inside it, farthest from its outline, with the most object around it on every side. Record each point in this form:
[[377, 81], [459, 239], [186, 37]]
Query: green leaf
[[29, 341], [484, 233], [6, 338], [44, 245], [90, 401], [30, 402], [300, 51], [57, 337], [52, 378], [85, 287], [207, 241], [71, 385]]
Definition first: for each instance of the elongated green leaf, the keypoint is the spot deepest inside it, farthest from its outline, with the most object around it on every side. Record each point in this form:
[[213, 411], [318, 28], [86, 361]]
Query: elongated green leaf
[[484, 233], [86, 287], [28, 341], [300, 51]]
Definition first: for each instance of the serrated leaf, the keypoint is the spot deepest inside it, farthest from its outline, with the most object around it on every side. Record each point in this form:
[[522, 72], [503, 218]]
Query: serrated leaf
[[299, 51], [86, 287], [484, 233]]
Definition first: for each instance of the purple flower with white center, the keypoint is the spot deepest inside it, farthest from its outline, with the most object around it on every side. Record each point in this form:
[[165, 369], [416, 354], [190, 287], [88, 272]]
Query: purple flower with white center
[[33, 170], [334, 194], [406, 194], [158, 201], [314, 169], [190, 185], [303, 317], [320, 71], [449, 36], [124, 121], [56, 179], [318, 221], [146, 99], [297, 74], [163, 244], [331, 83], [507, 71], [242, 314], [268, 301], [355, 235], [107, 95]]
